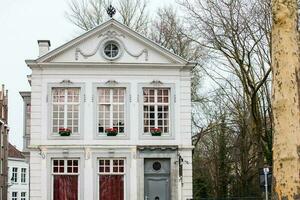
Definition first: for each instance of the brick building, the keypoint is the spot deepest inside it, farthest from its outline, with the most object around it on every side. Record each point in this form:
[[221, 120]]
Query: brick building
[[3, 143]]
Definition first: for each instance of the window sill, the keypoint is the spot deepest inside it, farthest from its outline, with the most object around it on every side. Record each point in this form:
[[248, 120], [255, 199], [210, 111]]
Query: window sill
[[117, 137], [58, 137], [148, 136]]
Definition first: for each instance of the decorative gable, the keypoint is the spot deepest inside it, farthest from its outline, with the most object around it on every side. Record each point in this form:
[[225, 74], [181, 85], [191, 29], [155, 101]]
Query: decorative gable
[[111, 42]]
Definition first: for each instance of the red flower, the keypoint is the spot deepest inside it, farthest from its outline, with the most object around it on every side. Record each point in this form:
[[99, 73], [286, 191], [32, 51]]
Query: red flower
[[111, 130], [155, 130], [65, 129]]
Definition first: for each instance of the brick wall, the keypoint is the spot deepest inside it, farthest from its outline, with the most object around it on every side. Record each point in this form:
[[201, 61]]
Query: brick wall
[[3, 142]]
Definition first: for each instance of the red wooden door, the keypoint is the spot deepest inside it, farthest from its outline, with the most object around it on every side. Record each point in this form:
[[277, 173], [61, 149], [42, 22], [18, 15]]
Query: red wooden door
[[111, 187], [65, 187]]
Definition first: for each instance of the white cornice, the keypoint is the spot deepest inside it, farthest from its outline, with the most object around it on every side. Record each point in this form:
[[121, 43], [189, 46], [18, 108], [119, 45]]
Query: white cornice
[[33, 64]]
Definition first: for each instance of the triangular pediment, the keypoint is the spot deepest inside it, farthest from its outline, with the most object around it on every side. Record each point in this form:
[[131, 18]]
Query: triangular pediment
[[132, 48]]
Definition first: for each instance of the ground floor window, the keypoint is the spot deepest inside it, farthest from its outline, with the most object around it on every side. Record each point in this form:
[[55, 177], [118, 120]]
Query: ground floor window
[[14, 195], [65, 179], [111, 179], [23, 195]]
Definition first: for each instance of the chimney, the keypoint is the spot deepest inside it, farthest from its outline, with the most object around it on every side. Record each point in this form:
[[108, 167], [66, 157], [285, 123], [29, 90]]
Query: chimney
[[44, 46]]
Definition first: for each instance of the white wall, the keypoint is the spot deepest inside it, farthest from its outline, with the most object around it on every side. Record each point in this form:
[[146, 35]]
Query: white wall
[[133, 77], [134, 72], [18, 187]]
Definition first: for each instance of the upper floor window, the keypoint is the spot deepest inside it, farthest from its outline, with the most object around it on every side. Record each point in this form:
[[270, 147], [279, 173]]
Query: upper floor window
[[23, 175], [111, 50], [14, 175], [111, 109], [156, 109], [65, 109]]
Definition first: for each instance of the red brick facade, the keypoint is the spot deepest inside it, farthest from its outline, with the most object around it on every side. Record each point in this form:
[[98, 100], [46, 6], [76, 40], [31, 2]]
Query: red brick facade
[[3, 143]]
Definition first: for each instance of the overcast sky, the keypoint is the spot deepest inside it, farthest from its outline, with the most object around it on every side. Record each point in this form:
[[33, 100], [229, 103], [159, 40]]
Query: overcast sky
[[22, 23]]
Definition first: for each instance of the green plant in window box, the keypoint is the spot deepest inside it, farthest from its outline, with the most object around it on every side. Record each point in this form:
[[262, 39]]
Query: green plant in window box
[[111, 131], [64, 131], [155, 131]]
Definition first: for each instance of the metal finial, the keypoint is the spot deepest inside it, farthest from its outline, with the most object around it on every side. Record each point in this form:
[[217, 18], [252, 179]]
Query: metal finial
[[111, 11]]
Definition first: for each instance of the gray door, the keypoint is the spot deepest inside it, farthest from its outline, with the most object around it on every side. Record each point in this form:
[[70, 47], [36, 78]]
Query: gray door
[[157, 179]]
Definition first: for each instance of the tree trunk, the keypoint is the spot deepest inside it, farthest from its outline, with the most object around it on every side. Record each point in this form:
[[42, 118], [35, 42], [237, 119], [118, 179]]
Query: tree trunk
[[285, 66]]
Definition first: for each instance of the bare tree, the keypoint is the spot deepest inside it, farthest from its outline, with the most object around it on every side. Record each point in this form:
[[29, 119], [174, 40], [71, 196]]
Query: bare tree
[[236, 35], [134, 14], [87, 14], [169, 30]]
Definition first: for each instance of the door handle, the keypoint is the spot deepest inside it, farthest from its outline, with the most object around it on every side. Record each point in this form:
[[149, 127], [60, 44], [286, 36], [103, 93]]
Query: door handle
[[146, 197]]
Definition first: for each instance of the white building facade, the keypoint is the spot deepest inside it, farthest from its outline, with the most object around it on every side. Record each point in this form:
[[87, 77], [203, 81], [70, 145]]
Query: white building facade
[[18, 175], [110, 80]]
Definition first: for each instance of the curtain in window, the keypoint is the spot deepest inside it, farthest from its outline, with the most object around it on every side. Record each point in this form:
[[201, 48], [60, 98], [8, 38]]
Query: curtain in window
[[111, 187], [65, 187]]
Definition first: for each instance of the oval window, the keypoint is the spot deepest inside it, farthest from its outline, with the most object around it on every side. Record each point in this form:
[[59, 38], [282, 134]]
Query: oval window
[[111, 50], [156, 166]]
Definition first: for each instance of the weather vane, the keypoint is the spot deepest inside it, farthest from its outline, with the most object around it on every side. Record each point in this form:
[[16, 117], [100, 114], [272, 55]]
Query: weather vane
[[111, 11]]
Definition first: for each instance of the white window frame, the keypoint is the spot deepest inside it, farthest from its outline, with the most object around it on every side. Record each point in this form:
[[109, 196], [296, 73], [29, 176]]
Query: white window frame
[[56, 136], [111, 103], [52, 173], [65, 166], [23, 195], [65, 104], [117, 42], [14, 175], [111, 167], [126, 134], [23, 175], [112, 173], [110, 50], [155, 104], [13, 197], [172, 110]]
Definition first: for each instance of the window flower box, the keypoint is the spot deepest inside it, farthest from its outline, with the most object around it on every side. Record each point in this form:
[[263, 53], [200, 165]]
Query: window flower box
[[111, 131], [155, 131], [64, 132]]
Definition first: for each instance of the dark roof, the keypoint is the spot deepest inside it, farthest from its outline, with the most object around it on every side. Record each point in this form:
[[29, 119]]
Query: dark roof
[[13, 152]]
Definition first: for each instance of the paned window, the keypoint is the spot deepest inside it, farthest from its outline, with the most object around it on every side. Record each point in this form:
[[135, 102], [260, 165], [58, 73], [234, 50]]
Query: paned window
[[23, 195], [111, 179], [65, 179], [65, 109], [111, 166], [23, 175], [111, 109], [14, 177], [63, 166], [111, 50], [156, 109], [14, 195]]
